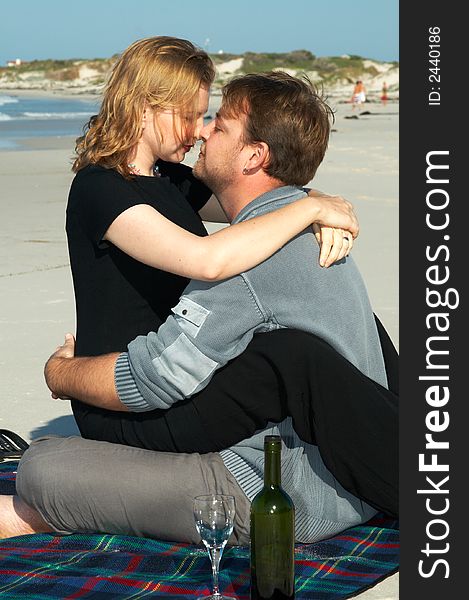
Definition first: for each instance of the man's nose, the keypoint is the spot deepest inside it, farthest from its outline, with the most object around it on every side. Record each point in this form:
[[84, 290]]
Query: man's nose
[[205, 131]]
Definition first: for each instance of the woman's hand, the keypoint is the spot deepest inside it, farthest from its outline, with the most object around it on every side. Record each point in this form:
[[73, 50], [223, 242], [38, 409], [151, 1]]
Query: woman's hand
[[335, 211], [334, 244]]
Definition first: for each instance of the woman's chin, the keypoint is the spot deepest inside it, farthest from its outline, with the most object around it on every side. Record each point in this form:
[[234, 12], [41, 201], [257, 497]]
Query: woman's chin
[[175, 157]]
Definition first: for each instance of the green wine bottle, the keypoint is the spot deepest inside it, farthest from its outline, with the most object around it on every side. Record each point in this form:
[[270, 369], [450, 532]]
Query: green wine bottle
[[272, 532]]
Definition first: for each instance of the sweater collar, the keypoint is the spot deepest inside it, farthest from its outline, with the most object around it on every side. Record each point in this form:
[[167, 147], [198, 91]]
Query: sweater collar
[[286, 192]]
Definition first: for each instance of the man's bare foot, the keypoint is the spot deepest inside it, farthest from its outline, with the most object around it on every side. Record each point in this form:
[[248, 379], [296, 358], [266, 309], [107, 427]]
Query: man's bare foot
[[17, 518]]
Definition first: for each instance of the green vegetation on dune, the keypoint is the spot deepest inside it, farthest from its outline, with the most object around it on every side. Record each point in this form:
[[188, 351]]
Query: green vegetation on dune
[[56, 72], [328, 70], [223, 57], [48, 65], [299, 60], [334, 68]]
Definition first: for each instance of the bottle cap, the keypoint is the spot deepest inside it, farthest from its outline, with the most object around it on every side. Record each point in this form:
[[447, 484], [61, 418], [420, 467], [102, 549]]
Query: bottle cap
[[272, 442]]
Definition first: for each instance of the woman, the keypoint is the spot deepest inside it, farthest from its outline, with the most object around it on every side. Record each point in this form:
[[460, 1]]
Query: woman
[[133, 230]]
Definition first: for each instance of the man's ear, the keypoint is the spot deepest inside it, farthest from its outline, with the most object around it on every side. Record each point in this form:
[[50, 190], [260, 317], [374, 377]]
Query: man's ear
[[258, 158]]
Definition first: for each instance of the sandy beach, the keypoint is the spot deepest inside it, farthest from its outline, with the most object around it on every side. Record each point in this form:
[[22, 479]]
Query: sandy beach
[[36, 293]]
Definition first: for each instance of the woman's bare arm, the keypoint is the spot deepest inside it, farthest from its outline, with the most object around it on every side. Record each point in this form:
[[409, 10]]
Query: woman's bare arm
[[150, 238]]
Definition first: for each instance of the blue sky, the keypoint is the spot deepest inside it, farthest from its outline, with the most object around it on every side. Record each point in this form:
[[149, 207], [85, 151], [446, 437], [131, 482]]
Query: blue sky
[[35, 29]]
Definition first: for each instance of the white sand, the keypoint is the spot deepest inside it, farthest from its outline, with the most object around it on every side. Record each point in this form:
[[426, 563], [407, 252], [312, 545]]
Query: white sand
[[36, 293]]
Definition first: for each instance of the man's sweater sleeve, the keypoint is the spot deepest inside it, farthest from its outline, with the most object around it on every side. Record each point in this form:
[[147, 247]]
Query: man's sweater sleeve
[[211, 324]]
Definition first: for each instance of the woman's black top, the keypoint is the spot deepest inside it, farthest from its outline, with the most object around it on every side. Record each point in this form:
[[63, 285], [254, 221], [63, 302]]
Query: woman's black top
[[117, 297]]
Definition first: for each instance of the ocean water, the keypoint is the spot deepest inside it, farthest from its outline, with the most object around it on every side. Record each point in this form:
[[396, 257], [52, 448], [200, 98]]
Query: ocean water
[[39, 116]]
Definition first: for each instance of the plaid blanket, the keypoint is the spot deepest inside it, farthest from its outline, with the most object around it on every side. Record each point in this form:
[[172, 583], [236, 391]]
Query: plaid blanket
[[42, 567]]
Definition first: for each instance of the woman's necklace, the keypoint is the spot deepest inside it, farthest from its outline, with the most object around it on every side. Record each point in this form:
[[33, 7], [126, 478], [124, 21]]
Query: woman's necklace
[[134, 170]]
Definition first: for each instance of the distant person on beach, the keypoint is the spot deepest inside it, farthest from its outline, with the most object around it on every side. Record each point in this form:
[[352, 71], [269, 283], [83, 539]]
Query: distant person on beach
[[353, 417], [358, 95], [384, 94]]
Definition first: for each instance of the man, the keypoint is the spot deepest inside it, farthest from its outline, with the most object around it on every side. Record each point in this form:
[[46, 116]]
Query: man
[[268, 138]]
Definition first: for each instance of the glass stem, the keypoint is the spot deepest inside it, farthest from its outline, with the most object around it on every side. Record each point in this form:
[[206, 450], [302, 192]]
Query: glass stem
[[215, 556]]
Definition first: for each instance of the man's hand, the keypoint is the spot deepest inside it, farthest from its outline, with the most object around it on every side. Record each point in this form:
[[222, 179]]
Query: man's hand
[[66, 350], [89, 379], [334, 244]]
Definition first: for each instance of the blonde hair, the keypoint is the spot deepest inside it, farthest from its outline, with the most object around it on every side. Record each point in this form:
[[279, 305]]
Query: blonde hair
[[161, 72]]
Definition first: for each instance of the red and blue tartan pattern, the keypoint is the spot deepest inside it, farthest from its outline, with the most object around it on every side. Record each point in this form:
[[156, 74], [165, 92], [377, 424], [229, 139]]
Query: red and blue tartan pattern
[[46, 566]]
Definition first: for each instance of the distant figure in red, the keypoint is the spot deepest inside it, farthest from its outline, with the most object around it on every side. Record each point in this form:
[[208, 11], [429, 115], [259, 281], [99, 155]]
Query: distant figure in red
[[384, 94], [358, 96]]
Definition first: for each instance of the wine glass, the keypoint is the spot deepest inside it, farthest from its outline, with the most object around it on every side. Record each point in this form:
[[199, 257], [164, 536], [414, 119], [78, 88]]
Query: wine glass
[[214, 520]]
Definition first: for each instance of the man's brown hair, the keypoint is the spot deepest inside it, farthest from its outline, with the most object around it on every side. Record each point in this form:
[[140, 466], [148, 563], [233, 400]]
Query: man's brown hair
[[288, 114]]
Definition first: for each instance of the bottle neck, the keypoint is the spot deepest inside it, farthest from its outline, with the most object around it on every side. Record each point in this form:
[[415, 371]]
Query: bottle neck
[[272, 468]]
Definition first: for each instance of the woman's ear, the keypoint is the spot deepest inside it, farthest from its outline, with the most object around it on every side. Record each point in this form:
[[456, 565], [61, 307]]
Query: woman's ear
[[145, 114]]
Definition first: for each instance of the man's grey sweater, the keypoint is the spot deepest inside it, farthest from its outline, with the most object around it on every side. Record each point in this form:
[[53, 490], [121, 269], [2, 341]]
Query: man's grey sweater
[[214, 322]]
